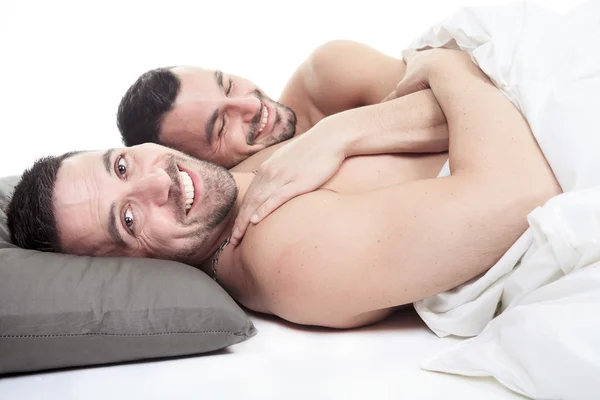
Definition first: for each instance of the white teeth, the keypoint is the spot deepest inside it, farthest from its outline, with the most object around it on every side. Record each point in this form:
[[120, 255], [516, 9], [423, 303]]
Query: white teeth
[[188, 186], [264, 120]]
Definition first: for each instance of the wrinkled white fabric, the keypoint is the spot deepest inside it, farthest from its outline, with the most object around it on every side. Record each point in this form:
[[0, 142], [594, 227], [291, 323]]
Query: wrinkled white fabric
[[544, 340]]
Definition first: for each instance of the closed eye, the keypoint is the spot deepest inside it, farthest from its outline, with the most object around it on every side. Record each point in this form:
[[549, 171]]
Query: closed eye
[[224, 119], [230, 87], [223, 124]]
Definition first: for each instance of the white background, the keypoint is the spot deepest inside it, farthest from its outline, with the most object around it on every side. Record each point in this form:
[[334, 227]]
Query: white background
[[65, 64]]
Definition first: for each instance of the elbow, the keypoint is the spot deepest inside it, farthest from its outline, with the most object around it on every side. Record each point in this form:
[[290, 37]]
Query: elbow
[[335, 320], [329, 53], [304, 303]]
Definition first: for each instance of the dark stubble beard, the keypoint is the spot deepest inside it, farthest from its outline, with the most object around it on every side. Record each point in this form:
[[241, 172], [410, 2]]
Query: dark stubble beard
[[287, 133], [218, 180], [220, 194]]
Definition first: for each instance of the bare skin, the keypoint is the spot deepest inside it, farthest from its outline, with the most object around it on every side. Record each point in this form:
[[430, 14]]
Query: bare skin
[[413, 124], [337, 76], [354, 250]]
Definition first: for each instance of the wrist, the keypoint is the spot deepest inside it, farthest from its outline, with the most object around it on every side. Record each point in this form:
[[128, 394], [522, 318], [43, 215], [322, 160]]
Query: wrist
[[435, 64], [448, 64], [361, 127], [339, 132]]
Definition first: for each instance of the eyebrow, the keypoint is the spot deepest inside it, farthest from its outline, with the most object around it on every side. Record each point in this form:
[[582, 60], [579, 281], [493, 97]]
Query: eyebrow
[[210, 124], [219, 79], [113, 231], [106, 158]]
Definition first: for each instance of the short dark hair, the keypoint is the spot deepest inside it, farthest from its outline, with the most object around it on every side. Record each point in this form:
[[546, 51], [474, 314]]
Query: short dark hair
[[30, 212], [144, 105]]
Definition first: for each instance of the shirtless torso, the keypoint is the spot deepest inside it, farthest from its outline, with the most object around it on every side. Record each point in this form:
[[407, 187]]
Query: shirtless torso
[[249, 282], [384, 232], [363, 173]]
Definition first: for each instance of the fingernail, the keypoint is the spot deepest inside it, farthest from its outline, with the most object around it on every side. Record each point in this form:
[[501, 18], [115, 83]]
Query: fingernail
[[254, 219]]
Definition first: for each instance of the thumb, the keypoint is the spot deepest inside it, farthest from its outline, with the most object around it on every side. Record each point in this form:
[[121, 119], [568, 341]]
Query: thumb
[[402, 89], [405, 86], [409, 85], [390, 96]]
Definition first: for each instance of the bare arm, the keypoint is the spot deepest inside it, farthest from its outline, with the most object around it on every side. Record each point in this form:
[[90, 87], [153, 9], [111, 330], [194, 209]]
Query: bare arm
[[410, 124], [348, 259], [344, 82], [341, 75]]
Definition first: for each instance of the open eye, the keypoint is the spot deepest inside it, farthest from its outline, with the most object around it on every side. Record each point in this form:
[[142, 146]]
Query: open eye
[[121, 166], [128, 219]]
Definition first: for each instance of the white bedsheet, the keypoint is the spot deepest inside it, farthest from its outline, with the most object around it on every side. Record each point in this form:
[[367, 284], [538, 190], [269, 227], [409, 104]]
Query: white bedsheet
[[65, 65], [545, 342], [281, 362]]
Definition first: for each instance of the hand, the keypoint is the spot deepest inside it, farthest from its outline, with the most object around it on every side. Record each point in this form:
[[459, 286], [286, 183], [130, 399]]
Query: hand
[[298, 167], [416, 77]]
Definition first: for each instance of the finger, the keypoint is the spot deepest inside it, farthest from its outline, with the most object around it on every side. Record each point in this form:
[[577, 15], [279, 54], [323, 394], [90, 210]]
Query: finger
[[239, 230], [404, 88], [250, 203], [282, 196], [254, 198], [243, 218], [407, 87], [389, 97]]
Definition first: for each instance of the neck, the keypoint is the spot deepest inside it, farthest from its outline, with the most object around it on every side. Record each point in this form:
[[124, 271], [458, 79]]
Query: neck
[[242, 180]]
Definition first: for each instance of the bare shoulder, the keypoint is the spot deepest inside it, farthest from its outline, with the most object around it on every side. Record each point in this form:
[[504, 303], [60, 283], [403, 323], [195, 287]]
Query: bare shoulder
[[295, 270], [345, 74], [255, 160], [340, 75], [344, 56]]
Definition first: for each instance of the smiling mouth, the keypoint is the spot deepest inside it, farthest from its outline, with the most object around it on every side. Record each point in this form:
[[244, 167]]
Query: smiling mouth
[[263, 120], [188, 190]]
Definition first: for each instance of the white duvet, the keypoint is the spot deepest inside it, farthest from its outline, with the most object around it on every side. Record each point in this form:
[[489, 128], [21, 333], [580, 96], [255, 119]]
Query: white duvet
[[534, 317]]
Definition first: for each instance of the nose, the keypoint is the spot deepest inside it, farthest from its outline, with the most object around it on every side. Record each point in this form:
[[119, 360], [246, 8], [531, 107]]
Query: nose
[[248, 106], [153, 187]]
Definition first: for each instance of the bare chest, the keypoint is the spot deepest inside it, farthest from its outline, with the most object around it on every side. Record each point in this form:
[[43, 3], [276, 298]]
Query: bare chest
[[356, 175], [366, 173]]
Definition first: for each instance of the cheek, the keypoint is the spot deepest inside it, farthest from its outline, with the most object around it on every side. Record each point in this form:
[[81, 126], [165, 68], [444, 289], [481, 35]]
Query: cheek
[[234, 142], [244, 86], [157, 235], [243, 129], [161, 236]]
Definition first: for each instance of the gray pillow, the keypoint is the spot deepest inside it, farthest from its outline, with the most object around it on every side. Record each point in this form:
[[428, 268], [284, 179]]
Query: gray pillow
[[61, 311]]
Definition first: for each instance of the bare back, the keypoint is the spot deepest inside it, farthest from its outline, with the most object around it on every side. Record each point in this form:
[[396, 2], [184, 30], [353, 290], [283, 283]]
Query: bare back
[[356, 175], [382, 233]]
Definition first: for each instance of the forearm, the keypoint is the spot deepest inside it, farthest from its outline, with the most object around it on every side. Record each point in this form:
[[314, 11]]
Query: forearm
[[405, 242], [485, 128], [411, 124]]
